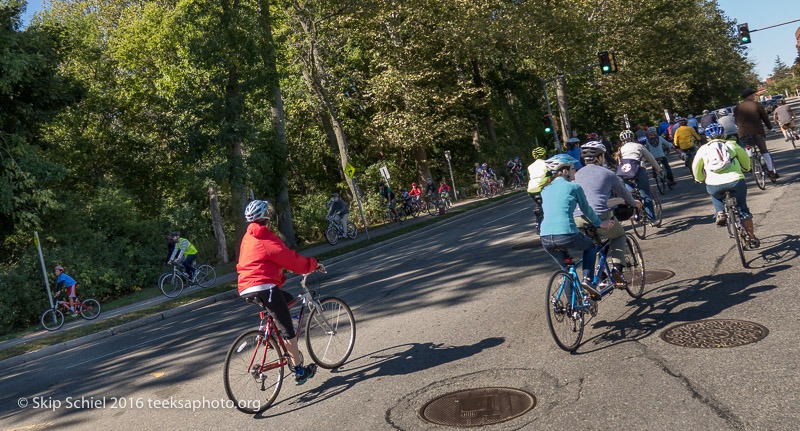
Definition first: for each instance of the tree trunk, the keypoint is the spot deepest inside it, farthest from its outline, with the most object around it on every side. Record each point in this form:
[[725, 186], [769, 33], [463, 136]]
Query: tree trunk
[[487, 116], [421, 162], [476, 140], [282, 208], [216, 223], [561, 94]]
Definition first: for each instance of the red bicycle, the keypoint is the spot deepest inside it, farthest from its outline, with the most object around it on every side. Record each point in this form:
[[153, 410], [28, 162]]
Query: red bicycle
[[253, 372], [53, 318]]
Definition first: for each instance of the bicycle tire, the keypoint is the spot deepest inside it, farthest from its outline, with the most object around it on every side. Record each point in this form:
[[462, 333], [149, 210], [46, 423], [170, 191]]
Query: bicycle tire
[[431, 208], [91, 309], [401, 217], [352, 230], [163, 276], [566, 326], [330, 347], [661, 183], [331, 235], [52, 319], [206, 276], [793, 137], [171, 285], [758, 172], [633, 268], [388, 218], [656, 208], [639, 222], [244, 384], [734, 224]]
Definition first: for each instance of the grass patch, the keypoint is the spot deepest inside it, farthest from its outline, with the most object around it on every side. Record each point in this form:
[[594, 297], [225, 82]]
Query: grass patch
[[60, 337]]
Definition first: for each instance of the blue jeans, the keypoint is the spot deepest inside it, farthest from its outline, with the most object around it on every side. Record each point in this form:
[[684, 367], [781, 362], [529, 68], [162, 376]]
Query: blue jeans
[[571, 241], [643, 183], [667, 169], [187, 263], [738, 190]]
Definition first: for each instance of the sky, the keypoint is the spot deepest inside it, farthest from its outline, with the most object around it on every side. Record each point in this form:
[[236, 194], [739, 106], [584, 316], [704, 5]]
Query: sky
[[766, 44]]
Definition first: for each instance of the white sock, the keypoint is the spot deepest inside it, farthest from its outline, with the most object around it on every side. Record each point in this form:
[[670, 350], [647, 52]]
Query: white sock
[[768, 159]]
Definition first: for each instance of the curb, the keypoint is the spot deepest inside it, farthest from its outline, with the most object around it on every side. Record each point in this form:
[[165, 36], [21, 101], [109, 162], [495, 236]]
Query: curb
[[138, 323], [224, 296]]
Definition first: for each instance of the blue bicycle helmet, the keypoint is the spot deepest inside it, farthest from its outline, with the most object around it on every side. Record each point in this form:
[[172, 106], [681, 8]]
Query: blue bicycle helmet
[[559, 162], [715, 130]]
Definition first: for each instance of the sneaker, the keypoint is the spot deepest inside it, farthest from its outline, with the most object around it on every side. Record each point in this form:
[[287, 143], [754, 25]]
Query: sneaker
[[616, 275], [772, 175], [587, 285], [304, 373], [754, 243], [722, 218]]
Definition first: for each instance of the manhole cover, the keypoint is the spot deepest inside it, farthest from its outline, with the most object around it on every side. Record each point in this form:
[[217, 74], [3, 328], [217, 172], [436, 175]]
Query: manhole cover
[[657, 275], [478, 407], [535, 243], [709, 334]]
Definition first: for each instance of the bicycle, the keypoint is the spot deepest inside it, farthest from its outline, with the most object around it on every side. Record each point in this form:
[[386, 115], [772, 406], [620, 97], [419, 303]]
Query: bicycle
[[662, 183], [568, 302], [388, 217], [758, 166], [53, 318], [792, 134], [639, 219], [734, 225], [254, 365], [413, 209], [487, 189], [171, 283], [334, 231], [432, 204], [516, 180], [444, 198]]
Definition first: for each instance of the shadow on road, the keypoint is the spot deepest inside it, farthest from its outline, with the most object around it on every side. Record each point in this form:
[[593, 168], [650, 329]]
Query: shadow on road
[[681, 301], [404, 359]]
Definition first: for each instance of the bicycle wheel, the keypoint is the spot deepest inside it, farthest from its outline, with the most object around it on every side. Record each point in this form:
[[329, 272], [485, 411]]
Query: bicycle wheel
[[251, 384], [758, 172], [566, 325], [91, 309], [661, 183], [330, 333], [52, 319], [431, 208], [633, 267], [401, 217], [331, 235], [639, 223], [206, 276], [171, 285], [388, 218], [793, 137], [352, 230], [735, 227], [656, 207]]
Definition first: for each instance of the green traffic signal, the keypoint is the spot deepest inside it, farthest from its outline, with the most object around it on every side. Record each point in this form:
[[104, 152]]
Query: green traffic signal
[[548, 129], [744, 33]]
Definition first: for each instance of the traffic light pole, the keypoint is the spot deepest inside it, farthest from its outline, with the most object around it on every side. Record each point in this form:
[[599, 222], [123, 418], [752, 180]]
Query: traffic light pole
[[565, 115], [776, 25]]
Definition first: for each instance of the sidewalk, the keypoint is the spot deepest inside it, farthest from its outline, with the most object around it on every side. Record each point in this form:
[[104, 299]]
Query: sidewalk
[[222, 279]]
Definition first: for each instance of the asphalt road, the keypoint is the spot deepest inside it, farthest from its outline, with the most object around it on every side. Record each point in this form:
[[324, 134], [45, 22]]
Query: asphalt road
[[462, 307]]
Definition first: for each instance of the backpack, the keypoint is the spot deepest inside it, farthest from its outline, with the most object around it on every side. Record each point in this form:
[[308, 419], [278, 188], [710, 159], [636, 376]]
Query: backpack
[[628, 168], [718, 157]]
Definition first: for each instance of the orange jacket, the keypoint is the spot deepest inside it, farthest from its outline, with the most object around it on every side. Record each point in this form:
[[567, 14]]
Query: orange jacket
[[262, 258]]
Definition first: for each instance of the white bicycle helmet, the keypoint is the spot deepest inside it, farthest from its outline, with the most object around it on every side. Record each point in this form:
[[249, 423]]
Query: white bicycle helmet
[[626, 136], [256, 210], [592, 149]]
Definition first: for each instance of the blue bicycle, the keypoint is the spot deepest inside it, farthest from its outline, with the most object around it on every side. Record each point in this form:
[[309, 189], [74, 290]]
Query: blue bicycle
[[568, 302]]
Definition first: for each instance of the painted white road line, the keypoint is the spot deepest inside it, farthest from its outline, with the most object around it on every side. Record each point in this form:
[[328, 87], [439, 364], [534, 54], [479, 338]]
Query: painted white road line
[[507, 215]]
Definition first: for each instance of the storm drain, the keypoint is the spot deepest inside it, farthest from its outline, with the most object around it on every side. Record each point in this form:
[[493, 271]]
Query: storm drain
[[478, 407], [715, 333], [534, 243], [652, 276]]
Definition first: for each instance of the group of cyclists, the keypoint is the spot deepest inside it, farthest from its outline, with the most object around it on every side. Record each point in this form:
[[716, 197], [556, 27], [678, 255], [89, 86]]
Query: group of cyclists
[[571, 189]]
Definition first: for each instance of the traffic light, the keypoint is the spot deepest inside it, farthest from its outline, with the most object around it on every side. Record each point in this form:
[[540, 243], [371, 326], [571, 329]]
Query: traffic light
[[546, 123], [744, 34], [608, 64]]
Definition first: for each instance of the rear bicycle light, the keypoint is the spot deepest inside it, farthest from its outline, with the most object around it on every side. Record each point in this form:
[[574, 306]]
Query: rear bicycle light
[[261, 315]]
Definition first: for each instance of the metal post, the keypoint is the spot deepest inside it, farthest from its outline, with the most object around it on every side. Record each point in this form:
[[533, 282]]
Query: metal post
[[361, 210], [550, 114], [44, 271], [252, 195], [452, 180]]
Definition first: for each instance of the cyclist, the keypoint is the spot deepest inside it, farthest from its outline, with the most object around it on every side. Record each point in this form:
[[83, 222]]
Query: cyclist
[[573, 148], [749, 116], [444, 191], [656, 145], [488, 175], [707, 119], [415, 192], [183, 252], [63, 280], [339, 212], [406, 199], [479, 174], [632, 154], [611, 163], [692, 122], [721, 164], [262, 259], [537, 172], [784, 117], [598, 183], [430, 189], [386, 193], [685, 140], [560, 196], [727, 123]]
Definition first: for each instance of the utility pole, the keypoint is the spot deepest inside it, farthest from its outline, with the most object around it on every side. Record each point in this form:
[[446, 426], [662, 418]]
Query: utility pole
[[561, 95], [550, 115]]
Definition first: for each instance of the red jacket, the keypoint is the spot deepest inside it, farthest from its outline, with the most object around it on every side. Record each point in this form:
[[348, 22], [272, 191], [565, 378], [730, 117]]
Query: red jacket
[[262, 258]]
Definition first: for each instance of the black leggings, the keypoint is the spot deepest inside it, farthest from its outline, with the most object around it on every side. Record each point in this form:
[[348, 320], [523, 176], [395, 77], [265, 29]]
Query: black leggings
[[277, 308]]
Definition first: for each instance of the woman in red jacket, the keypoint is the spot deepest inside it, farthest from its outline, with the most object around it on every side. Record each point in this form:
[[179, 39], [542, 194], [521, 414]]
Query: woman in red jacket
[[262, 258]]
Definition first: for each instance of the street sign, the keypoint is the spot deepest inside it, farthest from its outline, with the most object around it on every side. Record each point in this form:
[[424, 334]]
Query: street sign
[[385, 173], [447, 154], [349, 170]]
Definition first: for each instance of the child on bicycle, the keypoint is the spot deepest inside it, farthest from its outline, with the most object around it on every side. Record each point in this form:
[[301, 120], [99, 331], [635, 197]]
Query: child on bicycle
[[63, 280], [262, 259]]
